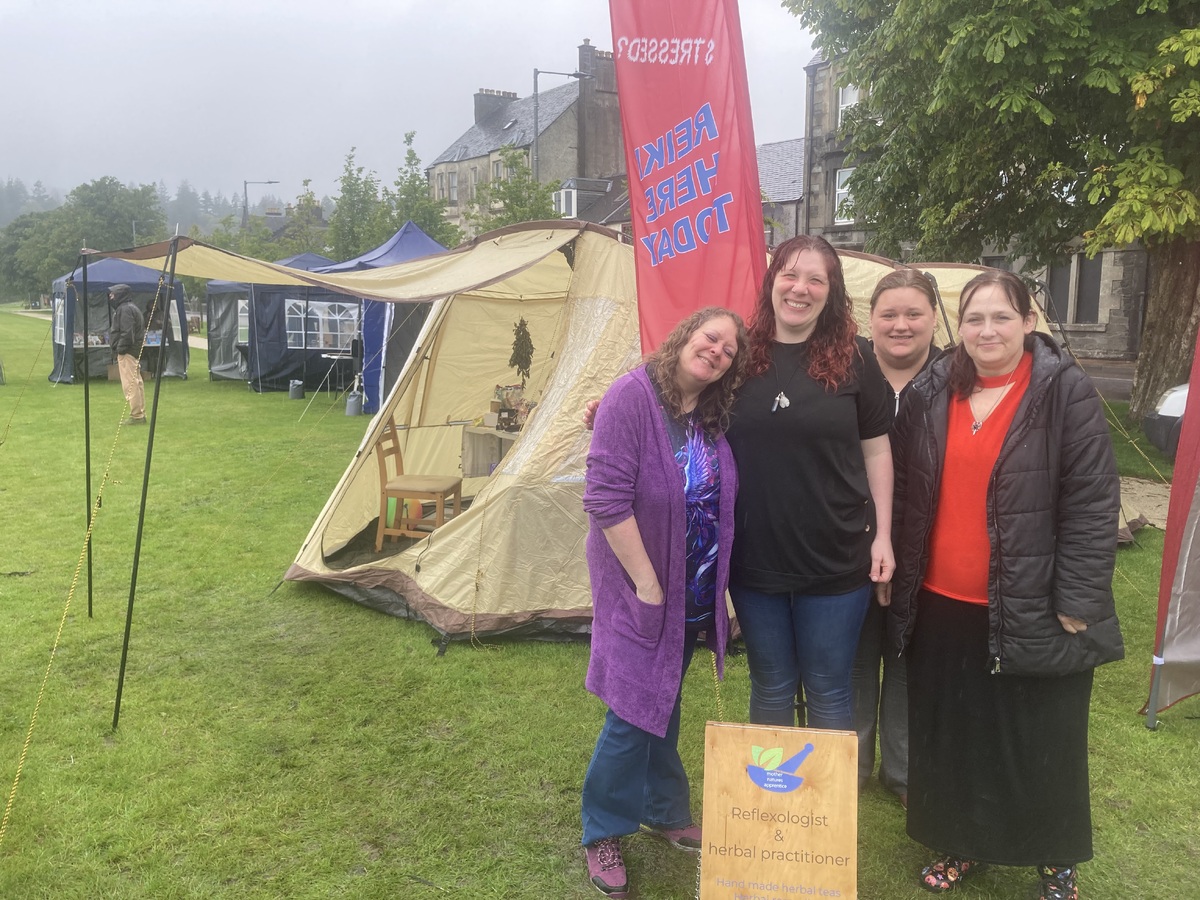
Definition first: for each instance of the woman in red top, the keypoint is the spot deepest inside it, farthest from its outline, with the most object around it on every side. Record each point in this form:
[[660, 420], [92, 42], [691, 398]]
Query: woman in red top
[[1006, 506]]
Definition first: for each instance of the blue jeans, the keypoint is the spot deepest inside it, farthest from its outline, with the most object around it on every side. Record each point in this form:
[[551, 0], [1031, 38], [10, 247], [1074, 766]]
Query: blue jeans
[[636, 777], [795, 640]]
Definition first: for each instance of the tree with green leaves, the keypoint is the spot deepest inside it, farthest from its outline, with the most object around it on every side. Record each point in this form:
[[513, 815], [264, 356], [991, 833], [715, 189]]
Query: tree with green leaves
[[513, 199], [305, 230], [255, 240], [409, 199], [354, 225], [40, 247], [1031, 125], [185, 210]]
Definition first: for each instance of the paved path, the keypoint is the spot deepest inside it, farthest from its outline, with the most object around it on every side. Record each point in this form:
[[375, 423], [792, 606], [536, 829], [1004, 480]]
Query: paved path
[[1112, 377]]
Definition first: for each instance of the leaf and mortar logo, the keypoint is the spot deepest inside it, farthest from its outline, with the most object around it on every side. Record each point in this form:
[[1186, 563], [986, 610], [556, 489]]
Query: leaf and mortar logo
[[772, 773]]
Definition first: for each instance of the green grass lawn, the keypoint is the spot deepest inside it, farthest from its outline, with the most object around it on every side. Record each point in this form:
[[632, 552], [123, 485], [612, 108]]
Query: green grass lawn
[[1136, 456], [279, 741]]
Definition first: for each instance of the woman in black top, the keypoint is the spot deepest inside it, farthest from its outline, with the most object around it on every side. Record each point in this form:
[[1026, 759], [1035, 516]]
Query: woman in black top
[[812, 532]]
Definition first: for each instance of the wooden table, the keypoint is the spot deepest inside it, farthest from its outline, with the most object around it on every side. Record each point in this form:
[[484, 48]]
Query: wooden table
[[483, 448]]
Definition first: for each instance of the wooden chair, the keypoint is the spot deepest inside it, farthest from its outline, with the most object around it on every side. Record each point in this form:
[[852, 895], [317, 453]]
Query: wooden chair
[[395, 485]]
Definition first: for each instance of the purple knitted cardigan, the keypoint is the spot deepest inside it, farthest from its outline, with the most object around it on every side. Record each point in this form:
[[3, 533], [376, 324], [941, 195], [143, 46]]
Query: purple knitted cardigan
[[637, 649]]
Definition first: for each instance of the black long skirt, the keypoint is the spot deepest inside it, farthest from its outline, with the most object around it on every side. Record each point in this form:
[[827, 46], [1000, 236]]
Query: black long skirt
[[998, 768]]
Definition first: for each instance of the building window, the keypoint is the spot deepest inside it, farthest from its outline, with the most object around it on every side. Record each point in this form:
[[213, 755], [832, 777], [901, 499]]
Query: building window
[[1074, 287], [998, 262], [60, 321], [293, 314], [243, 306], [847, 97], [474, 181], [332, 326], [441, 186], [454, 189], [843, 213], [497, 170]]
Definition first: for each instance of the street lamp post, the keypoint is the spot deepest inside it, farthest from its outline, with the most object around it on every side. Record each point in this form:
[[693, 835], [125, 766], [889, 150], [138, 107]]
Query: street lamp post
[[536, 73], [245, 201]]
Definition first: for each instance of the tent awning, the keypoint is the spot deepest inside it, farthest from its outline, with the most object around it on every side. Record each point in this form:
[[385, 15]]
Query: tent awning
[[495, 257]]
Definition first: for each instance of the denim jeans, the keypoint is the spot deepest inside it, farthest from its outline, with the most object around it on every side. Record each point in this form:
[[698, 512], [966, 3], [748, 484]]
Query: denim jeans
[[636, 777], [795, 640]]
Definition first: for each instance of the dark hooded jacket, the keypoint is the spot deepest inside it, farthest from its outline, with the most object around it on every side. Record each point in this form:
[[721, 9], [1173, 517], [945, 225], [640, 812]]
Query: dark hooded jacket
[[1052, 506], [128, 328]]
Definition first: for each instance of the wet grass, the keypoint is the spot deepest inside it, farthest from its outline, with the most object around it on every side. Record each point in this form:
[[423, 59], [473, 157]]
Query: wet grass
[[279, 741]]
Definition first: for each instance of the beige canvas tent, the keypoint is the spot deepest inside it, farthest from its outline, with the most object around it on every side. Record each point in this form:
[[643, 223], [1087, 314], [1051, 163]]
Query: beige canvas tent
[[863, 271], [513, 562]]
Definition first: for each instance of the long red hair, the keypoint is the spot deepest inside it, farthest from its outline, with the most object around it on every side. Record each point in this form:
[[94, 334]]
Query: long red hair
[[831, 346]]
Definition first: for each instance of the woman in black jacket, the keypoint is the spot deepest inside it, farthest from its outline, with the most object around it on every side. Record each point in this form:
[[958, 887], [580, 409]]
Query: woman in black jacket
[[1006, 510], [903, 320]]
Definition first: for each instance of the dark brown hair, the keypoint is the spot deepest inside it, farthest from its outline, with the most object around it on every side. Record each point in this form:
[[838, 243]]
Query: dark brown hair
[[716, 400], [902, 278], [831, 346], [962, 368]]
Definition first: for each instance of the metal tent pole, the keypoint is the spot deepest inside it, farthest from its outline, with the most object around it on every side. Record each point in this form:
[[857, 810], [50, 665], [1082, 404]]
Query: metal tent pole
[[137, 547]]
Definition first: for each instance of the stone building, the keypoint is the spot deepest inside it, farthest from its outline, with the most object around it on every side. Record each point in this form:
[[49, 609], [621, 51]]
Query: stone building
[[781, 179], [578, 127], [1096, 304], [825, 208]]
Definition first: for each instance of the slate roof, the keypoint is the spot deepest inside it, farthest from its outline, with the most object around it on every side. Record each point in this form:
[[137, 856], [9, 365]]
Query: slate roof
[[781, 170], [609, 207], [511, 124]]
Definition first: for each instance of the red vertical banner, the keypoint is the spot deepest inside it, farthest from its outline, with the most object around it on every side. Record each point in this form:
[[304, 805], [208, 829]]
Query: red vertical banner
[[694, 196]]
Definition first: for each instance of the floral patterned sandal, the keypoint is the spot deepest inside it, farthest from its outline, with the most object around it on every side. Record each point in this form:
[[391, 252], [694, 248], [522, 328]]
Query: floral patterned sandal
[[1059, 883], [945, 872]]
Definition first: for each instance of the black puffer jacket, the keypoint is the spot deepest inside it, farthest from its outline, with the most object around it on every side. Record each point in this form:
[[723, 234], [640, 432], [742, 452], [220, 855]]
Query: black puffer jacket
[[1052, 507]]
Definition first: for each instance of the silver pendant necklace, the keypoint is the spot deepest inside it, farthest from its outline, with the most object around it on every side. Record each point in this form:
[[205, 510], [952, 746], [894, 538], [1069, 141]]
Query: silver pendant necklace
[[978, 421], [781, 399]]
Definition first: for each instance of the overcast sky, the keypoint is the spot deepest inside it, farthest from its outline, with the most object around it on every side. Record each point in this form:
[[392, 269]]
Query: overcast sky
[[221, 91]]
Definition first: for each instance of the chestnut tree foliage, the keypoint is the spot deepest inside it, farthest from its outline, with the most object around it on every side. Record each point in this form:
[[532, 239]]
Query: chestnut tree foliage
[[1031, 125]]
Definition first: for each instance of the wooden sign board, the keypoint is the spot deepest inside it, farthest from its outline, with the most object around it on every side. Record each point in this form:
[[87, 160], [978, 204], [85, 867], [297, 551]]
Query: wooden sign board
[[780, 813]]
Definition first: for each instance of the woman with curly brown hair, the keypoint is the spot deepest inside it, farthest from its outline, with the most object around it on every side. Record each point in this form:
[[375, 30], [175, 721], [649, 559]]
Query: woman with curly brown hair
[[809, 432], [660, 494]]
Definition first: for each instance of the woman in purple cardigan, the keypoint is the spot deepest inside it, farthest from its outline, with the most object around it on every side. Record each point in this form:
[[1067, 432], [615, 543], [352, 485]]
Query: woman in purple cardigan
[[661, 484]]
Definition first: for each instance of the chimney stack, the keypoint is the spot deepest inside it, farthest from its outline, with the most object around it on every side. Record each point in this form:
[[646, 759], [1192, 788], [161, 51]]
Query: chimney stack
[[487, 102]]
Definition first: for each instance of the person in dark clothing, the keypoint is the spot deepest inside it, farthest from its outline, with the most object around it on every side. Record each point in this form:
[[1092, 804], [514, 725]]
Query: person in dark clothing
[[812, 536], [125, 336], [813, 532], [1006, 500], [903, 319]]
